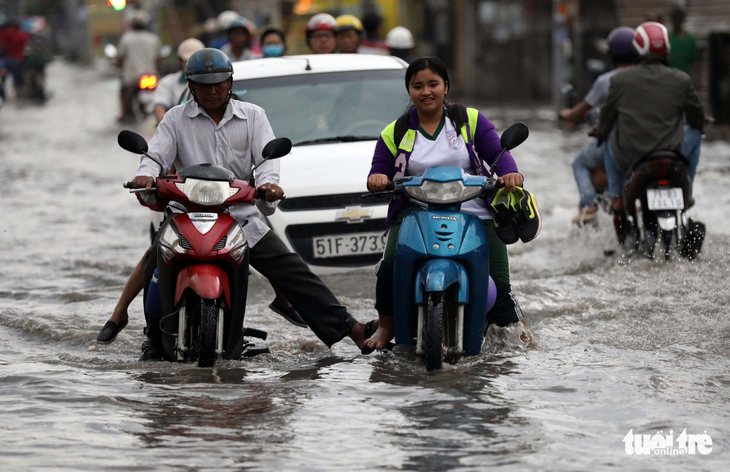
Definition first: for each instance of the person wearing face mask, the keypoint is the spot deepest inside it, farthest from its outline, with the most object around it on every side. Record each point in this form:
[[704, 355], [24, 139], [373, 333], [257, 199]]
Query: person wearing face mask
[[273, 42], [442, 134]]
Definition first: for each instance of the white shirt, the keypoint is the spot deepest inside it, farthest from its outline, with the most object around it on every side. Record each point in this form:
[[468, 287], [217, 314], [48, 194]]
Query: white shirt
[[187, 136], [245, 55], [170, 89], [447, 149], [140, 50]]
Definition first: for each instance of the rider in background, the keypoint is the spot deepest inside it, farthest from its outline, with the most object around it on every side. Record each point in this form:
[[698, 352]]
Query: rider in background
[[221, 22], [139, 54], [648, 105], [273, 42], [239, 41], [372, 43], [170, 88], [685, 53], [14, 41], [439, 142], [349, 33], [400, 42], [590, 159], [321, 31]]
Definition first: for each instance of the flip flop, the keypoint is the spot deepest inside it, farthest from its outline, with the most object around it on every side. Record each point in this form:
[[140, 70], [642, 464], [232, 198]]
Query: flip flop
[[109, 332]]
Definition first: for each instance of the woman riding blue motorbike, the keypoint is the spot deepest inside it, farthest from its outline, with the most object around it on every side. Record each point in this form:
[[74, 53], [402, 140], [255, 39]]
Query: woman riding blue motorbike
[[439, 133]]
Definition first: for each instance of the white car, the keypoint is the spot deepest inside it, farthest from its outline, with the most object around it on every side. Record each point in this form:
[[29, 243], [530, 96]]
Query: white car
[[333, 108]]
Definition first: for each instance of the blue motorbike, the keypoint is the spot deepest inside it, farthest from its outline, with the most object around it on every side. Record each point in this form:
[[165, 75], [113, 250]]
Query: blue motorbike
[[442, 289]]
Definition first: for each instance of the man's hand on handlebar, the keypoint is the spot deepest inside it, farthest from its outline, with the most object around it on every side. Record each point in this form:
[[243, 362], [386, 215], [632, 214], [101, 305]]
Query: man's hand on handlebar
[[143, 181], [271, 192], [511, 181], [378, 182]]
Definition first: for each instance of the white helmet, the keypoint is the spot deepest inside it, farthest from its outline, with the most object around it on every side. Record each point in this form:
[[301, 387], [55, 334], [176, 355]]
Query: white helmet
[[225, 18], [399, 38], [188, 47]]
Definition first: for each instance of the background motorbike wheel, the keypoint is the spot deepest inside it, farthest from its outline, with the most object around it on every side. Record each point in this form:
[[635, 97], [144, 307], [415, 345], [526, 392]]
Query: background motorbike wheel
[[205, 340], [434, 331]]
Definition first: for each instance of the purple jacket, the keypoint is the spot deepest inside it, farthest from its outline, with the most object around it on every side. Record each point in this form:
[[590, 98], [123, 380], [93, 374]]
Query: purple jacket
[[484, 149]]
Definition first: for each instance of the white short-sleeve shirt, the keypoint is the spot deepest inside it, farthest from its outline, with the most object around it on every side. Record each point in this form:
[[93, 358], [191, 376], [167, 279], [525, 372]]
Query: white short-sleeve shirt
[[447, 148]]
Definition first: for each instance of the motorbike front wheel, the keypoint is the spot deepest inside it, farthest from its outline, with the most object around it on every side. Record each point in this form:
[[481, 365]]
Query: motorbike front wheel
[[433, 330], [206, 339]]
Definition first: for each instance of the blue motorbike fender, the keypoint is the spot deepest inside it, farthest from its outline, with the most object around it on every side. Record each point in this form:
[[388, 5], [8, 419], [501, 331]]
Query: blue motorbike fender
[[437, 275]]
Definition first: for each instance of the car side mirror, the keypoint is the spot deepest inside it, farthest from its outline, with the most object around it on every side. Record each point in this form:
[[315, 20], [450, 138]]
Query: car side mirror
[[514, 136], [277, 148], [132, 142]]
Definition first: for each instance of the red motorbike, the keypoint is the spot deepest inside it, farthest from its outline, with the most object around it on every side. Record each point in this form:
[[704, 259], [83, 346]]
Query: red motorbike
[[201, 254]]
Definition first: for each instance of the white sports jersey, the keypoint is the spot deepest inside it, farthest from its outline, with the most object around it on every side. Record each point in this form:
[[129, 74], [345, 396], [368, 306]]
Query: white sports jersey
[[446, 149]]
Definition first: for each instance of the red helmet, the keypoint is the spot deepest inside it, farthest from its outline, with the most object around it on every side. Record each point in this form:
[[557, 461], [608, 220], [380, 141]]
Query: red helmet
[[651, 38]]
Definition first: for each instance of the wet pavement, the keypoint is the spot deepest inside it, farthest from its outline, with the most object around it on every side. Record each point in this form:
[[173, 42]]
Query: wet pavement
[[619, 344]]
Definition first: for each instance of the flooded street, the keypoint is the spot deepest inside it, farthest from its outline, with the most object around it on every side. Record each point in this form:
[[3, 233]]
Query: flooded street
[[619, 344]]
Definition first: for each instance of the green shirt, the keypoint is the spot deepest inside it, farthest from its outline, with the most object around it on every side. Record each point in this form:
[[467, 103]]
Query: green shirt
[[684, 53]]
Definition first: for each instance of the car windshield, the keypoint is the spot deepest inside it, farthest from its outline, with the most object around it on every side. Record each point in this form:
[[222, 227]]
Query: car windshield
[[335, 107]]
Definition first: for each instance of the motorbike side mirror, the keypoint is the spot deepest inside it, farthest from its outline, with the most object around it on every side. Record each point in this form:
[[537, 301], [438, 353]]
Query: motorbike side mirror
[[277, 148], [514, 136], [132, 142]]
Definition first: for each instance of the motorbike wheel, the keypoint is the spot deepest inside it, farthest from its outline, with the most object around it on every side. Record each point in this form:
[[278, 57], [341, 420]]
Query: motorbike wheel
[[207, 333], [434, 331]]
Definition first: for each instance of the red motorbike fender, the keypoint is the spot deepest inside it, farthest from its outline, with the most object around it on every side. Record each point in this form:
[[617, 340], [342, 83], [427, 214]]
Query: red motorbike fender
[[206, 280]]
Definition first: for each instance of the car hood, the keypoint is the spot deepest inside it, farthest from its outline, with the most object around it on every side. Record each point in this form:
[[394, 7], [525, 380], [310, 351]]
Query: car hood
[[327, 169]]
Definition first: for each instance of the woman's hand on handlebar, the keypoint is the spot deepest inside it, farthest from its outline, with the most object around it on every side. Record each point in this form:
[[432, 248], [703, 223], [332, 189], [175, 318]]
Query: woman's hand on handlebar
[[378, 182], [143, 181], [271, 192], [510, 181]]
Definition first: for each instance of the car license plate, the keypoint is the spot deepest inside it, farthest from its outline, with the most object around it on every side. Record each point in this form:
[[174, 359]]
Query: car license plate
[[351, 244], [665, 199]]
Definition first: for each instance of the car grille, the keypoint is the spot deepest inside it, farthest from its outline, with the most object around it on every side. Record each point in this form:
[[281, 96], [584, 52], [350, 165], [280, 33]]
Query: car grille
[[301, 238], [328, 202]]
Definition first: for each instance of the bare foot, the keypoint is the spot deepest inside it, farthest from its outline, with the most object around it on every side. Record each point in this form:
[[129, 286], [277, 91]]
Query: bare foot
[[382, 335], [357, 334]]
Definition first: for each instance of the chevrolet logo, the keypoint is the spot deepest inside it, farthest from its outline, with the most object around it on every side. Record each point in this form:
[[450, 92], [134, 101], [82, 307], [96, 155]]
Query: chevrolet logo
[[354, 214]]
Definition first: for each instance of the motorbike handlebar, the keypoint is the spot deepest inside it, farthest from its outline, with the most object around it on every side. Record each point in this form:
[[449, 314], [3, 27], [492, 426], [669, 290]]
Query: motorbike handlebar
[[127, 184], [261, 194]]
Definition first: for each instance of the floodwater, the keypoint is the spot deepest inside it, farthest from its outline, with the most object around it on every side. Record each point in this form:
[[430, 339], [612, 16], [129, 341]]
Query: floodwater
[[618, 345]]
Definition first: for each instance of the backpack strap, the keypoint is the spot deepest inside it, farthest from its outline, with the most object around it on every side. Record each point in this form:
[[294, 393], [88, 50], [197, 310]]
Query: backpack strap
[[457, 115], [401, 128]]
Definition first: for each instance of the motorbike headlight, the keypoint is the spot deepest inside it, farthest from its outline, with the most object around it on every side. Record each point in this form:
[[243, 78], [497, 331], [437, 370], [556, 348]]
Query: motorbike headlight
[[442, 192], [236, 243], [170, 243], [206, 192]]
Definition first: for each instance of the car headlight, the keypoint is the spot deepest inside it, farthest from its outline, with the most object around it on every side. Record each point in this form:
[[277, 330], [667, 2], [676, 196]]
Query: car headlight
[[206, 192], [443, 192], [236, 243], [169, 243]]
